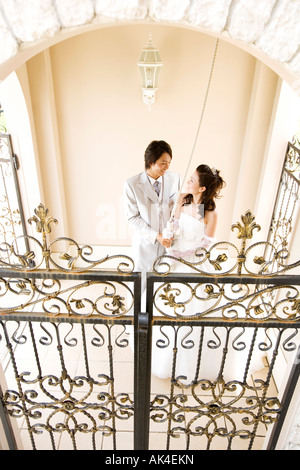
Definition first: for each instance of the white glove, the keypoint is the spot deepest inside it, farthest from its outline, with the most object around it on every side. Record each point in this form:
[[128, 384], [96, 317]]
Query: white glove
[[206, 242]]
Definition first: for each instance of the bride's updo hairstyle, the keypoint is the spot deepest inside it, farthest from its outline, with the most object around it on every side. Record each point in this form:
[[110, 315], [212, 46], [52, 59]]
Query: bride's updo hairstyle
[[213, 182]]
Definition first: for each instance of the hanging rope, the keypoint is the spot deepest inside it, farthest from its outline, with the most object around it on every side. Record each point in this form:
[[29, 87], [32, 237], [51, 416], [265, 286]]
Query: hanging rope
[[200, 122]]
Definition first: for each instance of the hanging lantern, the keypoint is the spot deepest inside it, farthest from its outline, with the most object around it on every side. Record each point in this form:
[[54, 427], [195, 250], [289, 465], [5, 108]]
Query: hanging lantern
[[149, 65]]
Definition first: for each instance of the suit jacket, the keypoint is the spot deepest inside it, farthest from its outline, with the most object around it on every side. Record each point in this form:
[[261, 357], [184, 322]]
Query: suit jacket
[[148, 214]]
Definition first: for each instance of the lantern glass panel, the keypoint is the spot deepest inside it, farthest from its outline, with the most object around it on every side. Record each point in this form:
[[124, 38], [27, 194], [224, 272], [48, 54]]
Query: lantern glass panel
[[149, 72]]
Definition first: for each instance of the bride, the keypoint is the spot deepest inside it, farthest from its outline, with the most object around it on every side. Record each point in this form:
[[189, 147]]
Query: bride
[[193, 352], [195, 215]]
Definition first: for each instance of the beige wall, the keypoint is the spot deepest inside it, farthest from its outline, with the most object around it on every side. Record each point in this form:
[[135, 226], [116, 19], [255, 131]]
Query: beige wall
[[92, 127]]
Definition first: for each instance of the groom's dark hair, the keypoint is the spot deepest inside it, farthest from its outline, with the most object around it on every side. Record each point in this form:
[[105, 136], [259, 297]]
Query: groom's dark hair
[[155, 150]]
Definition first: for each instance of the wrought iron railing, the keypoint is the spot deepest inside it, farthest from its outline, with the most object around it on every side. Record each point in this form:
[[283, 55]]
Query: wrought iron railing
[[213, 353], [62, 301], [286, 207], [55, 298], [69, 329], [12, 219], [209, 325]]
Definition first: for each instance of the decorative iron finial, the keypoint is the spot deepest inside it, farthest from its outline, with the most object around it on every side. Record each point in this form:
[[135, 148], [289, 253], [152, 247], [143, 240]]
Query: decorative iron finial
[[246, 230], [42, 219]]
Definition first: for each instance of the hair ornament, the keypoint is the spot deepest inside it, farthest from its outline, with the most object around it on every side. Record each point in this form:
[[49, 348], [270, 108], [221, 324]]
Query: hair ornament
[[214, 171]]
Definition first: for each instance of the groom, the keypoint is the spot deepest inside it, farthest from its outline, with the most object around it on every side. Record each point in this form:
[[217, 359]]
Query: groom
[[149, 199]]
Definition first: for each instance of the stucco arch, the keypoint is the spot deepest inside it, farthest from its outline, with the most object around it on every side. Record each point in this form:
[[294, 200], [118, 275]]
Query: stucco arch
[[267, 29]]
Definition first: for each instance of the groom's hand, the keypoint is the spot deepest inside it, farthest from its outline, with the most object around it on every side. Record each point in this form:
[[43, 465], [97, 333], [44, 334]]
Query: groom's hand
[[166, 242]]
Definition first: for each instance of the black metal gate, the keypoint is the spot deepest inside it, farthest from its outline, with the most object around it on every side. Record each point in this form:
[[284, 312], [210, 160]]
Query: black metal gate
[[219, 397], [80, 355], [62, 387]]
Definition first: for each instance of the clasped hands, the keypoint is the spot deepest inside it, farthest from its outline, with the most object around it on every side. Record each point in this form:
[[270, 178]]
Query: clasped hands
[[166, 242]]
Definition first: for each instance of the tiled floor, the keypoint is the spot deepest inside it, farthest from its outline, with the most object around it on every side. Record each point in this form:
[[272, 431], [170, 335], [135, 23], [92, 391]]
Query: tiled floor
[[123, 373]]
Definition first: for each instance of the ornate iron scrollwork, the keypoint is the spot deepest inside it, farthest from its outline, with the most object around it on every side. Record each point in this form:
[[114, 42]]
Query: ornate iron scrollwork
[[216, 260], [64, 289], [229, 302], [76, 259]]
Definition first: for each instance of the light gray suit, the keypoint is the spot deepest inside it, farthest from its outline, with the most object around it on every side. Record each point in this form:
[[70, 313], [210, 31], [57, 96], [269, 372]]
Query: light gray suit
[[148, 214]]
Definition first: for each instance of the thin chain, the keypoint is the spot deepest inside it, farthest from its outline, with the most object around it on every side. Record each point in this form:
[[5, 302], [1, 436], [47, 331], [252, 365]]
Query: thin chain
[[202, 112]]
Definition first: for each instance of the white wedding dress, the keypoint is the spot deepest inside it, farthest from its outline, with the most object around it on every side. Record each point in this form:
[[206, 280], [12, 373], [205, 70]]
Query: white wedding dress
[[192, 352]]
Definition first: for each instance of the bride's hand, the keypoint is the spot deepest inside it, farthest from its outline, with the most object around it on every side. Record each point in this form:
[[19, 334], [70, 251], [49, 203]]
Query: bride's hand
[[181, 198]]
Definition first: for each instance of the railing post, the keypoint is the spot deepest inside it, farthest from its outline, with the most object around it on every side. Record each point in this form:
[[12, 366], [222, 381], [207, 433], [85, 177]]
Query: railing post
[[286, 402], [142, 380], [6, 426]]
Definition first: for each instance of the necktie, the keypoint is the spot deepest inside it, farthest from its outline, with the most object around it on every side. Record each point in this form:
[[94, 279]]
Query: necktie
[[156, 185]]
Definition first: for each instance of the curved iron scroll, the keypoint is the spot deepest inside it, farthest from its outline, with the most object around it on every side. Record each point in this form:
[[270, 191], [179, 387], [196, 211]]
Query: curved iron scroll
[[75, 259]]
